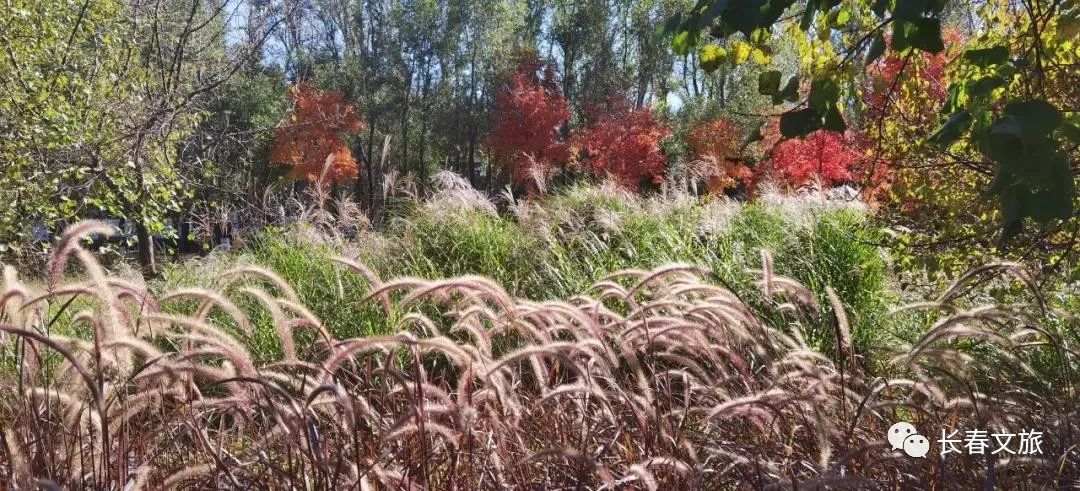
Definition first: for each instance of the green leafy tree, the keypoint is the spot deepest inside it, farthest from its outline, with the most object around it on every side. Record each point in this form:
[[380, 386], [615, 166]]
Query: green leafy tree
[[65, 66], [1010, 110]]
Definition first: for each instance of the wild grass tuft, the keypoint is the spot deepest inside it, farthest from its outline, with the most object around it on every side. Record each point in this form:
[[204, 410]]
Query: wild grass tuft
[[653, 376]]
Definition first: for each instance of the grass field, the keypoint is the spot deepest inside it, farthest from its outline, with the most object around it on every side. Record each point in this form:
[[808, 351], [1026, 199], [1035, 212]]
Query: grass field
[[589, 339]]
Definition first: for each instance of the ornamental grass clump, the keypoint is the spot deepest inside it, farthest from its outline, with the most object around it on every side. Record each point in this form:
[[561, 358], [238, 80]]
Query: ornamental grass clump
[[649, 379]]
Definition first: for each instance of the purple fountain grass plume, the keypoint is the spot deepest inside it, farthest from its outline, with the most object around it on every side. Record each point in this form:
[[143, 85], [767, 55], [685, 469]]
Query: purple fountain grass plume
[[347, 349], [208, 300], [693, 367], [771, 400], [471, 323], [77, 414], [211, 345], [372, 279], [20, 473], [609, 287], [281, 323], [643, 476], [416, 319], [238, 274], [964, 325], [449, 435], [393, 479], [69, 244], [767, 274], [177, 373], [664, 273], [137, 346], [188, 324], [298, 381], [977, 275], [13, 297], [559, 350], [403, 283], [173, 479], [141, 477], [843, 329], [478, 286]]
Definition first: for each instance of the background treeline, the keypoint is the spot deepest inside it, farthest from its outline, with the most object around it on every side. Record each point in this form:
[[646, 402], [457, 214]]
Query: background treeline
[[175, 115], [164, 109]]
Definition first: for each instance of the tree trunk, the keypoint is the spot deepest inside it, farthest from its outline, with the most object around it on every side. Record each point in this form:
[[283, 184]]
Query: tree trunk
[[421, 165], [145, 250], [368, 200], [405, 124], [472, 120]]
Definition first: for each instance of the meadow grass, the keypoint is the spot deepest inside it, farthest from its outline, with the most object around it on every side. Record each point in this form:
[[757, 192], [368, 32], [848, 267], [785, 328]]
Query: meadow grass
[[706, 375], [558, 246]]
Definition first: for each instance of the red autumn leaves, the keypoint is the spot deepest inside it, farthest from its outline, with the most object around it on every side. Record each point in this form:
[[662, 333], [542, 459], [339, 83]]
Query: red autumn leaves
[[530, 113], [830, 156], [314, 132], [623, 142], [530, 138], [530, 141]]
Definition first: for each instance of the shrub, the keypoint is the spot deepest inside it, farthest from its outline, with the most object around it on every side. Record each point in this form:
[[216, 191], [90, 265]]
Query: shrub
[[623, 143], [529, 112], [717, 145], [310, 142]]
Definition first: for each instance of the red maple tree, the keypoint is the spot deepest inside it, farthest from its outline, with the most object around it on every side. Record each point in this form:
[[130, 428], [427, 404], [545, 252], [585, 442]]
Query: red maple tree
[[716, 144], [314, 132], [889, 75], [833, 157], [624, 143], [529, 111]]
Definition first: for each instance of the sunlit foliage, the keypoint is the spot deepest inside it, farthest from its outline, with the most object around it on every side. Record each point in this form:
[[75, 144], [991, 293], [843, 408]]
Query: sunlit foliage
[[312, 136]]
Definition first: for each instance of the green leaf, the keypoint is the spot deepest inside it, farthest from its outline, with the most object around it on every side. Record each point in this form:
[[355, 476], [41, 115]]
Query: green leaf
[[789, 93], [909, 9], [823, 92], [877, 48], [769, 82], [987, 56], [715, 8], [984, 85], [957, 95], [922, 34], [683, 41], [834, 120], [711, 57], [1036, 119], [799, 123], [808, 14], [952, 130], [843, 16], [672, 24], [744, 15], [1072, 132]]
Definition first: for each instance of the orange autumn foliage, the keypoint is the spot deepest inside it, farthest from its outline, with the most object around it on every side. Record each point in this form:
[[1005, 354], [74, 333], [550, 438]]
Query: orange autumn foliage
[[716, 145], [314, 132]]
